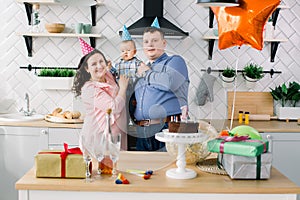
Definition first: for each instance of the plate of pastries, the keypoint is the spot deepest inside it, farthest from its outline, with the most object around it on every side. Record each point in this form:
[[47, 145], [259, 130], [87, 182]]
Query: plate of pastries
[[60, 116]]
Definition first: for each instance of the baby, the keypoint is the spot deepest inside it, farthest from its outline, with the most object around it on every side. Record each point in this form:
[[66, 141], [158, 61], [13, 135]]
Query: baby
[[128, 66]]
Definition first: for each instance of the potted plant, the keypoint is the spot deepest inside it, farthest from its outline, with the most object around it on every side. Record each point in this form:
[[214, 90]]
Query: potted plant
[[288, 98], [252, 73], [228, 76], [56, 79]]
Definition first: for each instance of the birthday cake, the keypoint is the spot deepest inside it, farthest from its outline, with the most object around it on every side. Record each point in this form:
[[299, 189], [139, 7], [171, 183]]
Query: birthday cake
[[183, 127]]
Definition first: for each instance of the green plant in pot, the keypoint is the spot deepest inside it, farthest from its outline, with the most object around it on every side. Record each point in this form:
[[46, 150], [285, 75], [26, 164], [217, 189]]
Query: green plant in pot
[[56, 79], [252, 73], [228, 76], [284, 94], [288, 96], [57, 72], [228, 72]]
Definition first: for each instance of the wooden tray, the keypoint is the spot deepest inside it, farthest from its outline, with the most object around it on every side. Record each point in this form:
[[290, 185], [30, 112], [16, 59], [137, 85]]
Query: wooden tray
[[54, 119]]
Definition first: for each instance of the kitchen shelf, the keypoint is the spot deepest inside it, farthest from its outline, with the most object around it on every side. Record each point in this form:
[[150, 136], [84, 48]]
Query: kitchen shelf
[[274, 41], [72, 35], [212, 37], [274, 44], [92, 3], [28, 38], [59, 2], [274, 15]]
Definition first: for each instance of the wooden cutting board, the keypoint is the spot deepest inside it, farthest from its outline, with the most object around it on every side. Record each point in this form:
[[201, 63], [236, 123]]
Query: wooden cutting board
[[253, 102], [51, 118]]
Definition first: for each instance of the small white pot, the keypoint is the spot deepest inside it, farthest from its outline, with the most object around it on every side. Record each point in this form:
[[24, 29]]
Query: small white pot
[[250, 82], [284, 113], [227, 82], [55, 83]]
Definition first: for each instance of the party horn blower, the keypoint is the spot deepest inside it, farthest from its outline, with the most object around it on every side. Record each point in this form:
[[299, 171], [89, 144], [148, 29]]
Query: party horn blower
[[121, 179], [140, 171], [144, 174]]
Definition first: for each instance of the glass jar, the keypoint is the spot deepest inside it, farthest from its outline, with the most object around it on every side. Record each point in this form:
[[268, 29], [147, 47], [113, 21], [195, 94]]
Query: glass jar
[[35, 18]]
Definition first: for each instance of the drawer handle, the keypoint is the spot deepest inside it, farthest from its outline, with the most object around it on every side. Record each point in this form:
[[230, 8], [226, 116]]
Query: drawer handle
[[269, 137], [43, 132]]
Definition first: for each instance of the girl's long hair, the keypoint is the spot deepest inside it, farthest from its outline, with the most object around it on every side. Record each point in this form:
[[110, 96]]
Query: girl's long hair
[[82, 76]]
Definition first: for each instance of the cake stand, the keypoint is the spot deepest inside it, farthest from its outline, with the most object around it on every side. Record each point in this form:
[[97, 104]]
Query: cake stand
[[181, 139]]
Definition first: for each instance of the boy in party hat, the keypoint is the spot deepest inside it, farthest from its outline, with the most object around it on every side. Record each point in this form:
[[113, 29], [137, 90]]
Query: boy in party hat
[[128, 64]]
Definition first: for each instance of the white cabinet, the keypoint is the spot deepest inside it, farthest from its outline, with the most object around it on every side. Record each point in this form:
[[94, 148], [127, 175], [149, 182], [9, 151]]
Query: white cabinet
[[18, 145], [285, 148], [59, 136]]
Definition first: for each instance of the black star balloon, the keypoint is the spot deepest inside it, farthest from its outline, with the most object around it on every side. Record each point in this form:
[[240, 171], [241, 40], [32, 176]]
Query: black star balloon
[[243, 24]]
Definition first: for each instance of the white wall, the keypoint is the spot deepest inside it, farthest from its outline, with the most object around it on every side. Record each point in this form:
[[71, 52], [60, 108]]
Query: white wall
[[110, 18]]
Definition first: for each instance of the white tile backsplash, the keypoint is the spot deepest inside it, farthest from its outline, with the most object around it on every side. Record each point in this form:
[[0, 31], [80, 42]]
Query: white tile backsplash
[[110, 19]]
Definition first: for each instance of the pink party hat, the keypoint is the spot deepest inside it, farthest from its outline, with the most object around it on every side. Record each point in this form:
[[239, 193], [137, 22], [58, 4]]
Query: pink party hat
[[85, 47]]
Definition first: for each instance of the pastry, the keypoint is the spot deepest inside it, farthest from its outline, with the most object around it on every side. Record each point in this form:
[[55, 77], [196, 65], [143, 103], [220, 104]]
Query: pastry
[[60, 115], [76, 114], [68, 115], [56, 111]]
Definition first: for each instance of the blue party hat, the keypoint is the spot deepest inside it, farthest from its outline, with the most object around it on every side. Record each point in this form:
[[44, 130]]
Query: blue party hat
[[155, 23], [125, 34]]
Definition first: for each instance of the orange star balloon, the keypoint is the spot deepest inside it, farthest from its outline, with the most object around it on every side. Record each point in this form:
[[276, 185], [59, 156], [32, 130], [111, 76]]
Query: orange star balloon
[[243, 24]]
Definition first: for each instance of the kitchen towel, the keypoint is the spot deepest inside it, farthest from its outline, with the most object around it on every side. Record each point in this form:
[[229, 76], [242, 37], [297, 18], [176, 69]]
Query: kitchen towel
[[205, 89]]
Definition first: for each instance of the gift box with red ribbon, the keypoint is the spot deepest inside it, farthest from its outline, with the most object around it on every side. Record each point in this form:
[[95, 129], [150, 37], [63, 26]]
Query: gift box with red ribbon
[[238, 145], [60, 164]]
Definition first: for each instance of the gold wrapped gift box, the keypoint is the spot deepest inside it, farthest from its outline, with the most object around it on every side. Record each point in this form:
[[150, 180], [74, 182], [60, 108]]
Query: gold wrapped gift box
[[48, 163]]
